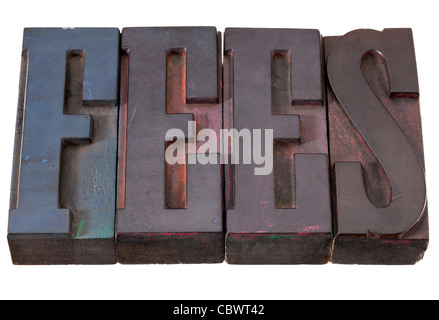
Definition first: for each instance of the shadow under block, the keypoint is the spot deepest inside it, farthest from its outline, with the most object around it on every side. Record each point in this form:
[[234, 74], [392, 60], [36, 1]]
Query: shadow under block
[[62, 207], [273, 79], [168, 213], [376, 147]]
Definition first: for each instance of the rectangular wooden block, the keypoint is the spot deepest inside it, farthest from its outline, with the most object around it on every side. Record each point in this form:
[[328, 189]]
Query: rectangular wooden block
[[274, 81], [376, 148], [62, 207], [169, 213], [92, 179]]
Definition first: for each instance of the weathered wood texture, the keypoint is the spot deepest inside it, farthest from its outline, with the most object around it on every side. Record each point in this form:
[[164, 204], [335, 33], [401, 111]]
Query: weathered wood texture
[[274, 80], [64, 176], [169, 213], [91, 185], [376, 148]]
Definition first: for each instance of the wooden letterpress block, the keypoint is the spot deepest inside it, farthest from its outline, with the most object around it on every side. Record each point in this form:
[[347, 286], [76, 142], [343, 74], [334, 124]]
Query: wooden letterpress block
[[376, 148], [64, 176], [273, 80], [169, 213]]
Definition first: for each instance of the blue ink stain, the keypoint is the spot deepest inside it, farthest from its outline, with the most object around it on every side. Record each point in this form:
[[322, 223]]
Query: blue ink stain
[[31, 38], [44, 161], [88, 86], [27, 158]]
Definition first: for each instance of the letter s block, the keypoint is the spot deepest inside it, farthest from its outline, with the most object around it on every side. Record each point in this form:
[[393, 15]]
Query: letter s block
[[376, 148], [64, 175]]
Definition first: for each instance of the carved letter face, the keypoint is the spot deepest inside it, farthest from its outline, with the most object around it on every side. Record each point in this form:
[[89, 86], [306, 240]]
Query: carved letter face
[[379, 181], [169, 212], [153, 156], [64, 180], [273, 81]]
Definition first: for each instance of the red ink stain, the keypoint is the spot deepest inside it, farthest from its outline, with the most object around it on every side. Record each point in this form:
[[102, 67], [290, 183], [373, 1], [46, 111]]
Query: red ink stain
[[310, 229]]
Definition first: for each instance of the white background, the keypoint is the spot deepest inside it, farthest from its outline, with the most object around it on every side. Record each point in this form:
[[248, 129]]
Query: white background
[[331, 17]]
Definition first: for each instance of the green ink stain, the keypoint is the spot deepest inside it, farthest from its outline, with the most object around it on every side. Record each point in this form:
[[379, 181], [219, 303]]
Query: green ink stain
[[282, 237], [80, 227]]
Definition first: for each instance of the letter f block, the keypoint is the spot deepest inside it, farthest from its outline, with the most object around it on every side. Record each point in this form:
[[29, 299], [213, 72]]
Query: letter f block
[[63, 185], [169, 213]]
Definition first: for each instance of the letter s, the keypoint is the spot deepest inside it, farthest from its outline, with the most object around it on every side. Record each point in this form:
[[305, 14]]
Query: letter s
[[380, 132]]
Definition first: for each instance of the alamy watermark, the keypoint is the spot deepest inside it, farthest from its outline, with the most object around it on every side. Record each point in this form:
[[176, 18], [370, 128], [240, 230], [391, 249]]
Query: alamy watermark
[[236, 147]]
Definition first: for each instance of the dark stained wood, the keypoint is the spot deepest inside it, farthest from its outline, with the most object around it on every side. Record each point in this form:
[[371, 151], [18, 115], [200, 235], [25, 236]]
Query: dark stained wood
[[376, 148], [64, 179], [273, 80], [77, 160], [169, 213]]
